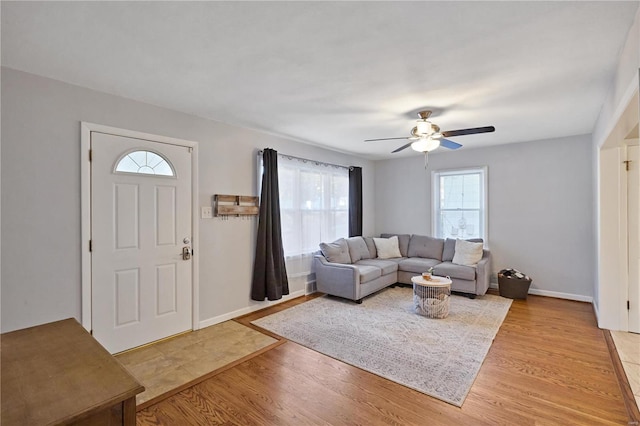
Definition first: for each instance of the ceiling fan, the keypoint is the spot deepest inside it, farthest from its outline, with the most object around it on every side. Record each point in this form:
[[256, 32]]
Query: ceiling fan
[[426, 136]]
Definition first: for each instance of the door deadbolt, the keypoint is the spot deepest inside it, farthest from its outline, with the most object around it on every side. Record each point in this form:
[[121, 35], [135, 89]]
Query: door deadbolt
[[186, 253]]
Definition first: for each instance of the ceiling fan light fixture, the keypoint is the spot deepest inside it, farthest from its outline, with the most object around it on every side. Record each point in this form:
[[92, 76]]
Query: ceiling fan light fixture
[[426, 136], [424, 127], [425, 145]]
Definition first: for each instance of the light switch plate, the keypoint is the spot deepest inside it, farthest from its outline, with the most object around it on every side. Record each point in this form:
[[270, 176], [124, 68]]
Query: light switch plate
[[206, 212]]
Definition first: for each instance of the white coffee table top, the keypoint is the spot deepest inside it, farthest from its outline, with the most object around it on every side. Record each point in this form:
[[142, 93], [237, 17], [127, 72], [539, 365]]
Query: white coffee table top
[[434, 282]]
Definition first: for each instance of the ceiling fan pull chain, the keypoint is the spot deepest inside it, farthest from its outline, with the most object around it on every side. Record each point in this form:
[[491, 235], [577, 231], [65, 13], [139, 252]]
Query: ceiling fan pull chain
[[426, 159]]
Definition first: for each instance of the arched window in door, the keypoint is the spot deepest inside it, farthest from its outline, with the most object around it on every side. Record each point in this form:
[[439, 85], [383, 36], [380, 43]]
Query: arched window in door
[[146, 163]]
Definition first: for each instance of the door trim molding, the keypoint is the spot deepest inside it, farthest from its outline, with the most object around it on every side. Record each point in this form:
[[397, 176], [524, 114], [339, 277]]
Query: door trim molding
[[633, 286], [85, 201]]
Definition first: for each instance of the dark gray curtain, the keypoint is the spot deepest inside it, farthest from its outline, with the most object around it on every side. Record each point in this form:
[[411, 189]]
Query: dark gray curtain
[[269, 271], [355, 201]]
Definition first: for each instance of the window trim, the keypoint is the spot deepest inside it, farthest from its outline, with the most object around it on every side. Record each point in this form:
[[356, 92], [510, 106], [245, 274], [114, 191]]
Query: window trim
[[435, 199]]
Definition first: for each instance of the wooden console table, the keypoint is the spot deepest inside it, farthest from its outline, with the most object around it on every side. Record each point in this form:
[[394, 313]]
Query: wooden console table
[[57, 373]]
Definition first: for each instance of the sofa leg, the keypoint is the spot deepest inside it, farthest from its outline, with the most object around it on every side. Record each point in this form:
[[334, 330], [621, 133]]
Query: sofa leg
[[471, 296], [359, 301]]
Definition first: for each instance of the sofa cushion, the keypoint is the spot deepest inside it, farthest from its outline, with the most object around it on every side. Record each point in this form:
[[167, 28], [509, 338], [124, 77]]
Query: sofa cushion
[[450, 248], [417, 265], [387, 247], [396, 259], [403, 242], [426, 247], [386, 266], [368, 273], [467, 253], [452, 270], [372, 247], [337, 251], [358, 249]]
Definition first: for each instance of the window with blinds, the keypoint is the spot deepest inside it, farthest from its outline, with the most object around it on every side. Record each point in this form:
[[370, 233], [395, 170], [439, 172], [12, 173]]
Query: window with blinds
[[460, 203]]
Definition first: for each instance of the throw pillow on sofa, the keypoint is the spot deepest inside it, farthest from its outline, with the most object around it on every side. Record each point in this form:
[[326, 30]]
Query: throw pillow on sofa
[[403, 242], [387, 247], [371, 246], [467, 253], [337, 251], [358, 249], [450, 248], [426, 247]]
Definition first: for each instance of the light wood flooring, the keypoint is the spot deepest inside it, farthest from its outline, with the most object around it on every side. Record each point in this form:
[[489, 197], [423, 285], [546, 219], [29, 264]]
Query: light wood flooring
[[170, 364], [549, 365]]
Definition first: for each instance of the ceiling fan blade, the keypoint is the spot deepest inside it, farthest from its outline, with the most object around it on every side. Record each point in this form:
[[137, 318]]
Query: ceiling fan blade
[[401, 148], [383, 139], [471, 131], [449, 144]]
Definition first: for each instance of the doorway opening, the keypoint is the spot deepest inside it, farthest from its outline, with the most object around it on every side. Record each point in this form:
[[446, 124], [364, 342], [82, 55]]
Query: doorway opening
[[618, 287]]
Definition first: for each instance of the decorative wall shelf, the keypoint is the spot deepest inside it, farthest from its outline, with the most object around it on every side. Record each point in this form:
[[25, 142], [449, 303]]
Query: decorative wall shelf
[[238, 205]]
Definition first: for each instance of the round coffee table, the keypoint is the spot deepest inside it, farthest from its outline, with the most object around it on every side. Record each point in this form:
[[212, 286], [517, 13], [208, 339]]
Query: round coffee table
[[431, 298]]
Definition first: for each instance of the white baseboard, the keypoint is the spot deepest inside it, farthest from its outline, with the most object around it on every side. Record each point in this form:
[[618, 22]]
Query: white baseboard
[[559, 295], [556, 294], [259, 305]]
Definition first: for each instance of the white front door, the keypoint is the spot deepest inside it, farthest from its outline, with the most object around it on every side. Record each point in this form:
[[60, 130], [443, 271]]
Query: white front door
[[141, 272], [633, 215]]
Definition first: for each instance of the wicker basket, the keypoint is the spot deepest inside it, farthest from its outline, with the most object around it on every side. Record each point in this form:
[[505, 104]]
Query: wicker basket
[[432, 302], [513, 287]]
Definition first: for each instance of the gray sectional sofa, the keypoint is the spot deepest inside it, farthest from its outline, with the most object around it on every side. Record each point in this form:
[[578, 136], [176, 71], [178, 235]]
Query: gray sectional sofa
[[350, 267]]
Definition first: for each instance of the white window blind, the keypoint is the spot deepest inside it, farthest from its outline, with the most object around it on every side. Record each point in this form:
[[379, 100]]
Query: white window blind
[[460, 203], [314, 204]]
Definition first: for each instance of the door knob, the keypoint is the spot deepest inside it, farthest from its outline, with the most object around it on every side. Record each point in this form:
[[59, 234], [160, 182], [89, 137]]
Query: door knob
[[186, 253]]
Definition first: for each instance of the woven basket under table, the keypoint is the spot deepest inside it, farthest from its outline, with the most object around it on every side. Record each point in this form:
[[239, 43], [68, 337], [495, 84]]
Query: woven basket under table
[[431, 301]]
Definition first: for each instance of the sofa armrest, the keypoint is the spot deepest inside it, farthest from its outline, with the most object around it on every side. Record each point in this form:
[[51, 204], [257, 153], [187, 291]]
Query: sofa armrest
[[336, 279], [483, 273]]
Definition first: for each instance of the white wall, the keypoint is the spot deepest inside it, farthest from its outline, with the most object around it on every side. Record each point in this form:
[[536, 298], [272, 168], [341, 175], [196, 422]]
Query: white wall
[[623, 85], [41, 195], [540, 199], [617, 116]]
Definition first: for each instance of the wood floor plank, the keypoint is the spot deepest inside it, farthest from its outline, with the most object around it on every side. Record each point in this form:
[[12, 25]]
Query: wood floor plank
[[537, 397], [377, 397], [549, 365], [586, 377], [337, 404], [213, 407]]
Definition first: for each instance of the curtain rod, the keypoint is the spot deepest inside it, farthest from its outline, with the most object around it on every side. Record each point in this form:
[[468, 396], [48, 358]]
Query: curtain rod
[[305, 160]]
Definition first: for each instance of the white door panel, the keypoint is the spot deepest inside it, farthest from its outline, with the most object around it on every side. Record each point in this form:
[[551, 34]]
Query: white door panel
[[141, 285]]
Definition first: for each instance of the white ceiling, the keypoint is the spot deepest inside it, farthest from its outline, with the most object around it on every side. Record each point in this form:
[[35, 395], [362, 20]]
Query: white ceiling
[[336, 73]]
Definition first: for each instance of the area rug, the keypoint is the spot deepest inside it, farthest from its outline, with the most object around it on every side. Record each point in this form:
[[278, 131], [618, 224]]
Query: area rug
[[383, 335]]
